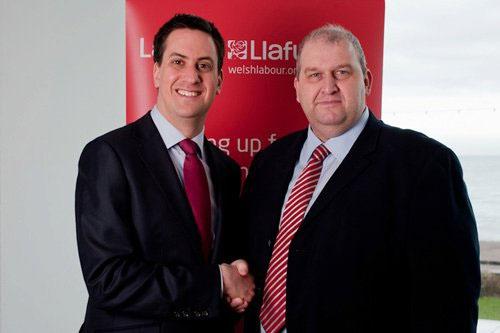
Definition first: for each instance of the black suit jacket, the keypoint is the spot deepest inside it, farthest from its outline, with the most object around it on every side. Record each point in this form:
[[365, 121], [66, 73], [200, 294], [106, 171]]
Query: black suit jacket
[[390, 244], [138, 242]]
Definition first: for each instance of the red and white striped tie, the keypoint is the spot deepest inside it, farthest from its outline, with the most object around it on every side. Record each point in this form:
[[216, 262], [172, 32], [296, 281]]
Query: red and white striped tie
[[273, 310]]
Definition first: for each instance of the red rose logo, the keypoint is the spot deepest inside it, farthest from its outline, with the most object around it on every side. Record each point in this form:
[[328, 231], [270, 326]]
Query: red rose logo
[[237, 48]]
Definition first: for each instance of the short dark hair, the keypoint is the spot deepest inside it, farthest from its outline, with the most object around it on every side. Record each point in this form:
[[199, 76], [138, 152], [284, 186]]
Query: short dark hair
[[181, 21]]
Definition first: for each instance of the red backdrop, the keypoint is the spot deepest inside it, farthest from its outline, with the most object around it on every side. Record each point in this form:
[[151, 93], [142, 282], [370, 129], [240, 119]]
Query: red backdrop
[[257, 103]]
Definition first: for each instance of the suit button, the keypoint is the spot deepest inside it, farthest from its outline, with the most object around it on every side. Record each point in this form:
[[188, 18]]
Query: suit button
[[197, 314], [177, 315], [269, 243], [185, 314], [204, 313]]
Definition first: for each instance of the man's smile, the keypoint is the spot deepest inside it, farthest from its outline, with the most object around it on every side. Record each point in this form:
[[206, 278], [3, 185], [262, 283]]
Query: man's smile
[[188, 93]]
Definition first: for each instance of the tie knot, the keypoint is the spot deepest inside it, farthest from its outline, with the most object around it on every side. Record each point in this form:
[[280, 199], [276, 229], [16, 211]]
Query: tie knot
[[189, 147], [320, 153]]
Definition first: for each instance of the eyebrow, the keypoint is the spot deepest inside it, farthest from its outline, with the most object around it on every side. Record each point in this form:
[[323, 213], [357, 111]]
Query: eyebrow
[[344, 65], [310, 69], [313, 69], [175, 54]]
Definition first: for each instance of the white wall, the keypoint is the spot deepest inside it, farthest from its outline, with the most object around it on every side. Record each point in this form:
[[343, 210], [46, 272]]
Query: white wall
[[62, 83]]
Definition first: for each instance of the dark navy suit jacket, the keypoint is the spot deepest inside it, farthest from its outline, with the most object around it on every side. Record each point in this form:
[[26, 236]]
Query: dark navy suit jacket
[[138, 243], [390, 244]]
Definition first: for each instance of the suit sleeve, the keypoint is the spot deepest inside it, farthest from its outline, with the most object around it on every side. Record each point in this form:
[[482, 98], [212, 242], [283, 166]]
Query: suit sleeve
[[246, 193], [117, 276], [235, 233], [443, 250]]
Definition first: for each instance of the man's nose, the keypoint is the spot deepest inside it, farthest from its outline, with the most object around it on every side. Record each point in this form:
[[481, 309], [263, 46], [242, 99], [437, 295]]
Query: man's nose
[[191, 74], [330, 84]]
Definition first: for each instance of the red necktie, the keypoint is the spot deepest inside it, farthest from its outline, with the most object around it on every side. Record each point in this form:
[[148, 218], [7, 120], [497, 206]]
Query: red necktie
[[273, 310], [196, 187]]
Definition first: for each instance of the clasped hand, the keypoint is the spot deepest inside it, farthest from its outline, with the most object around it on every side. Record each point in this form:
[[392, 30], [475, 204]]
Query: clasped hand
[[238, 285]]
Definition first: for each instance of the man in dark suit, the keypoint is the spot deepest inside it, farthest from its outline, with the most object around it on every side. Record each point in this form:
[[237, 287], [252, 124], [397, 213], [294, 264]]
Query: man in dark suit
[[364, 227], [155, 203]]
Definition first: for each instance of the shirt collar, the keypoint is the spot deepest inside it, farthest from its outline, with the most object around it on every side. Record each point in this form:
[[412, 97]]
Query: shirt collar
[[340, 145], [170, 134]]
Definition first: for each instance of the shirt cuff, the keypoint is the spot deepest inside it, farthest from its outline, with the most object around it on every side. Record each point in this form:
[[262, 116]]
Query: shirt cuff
[[221, 282]]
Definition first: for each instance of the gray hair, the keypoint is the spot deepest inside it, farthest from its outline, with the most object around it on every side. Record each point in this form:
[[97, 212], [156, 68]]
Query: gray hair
[[333, 34]]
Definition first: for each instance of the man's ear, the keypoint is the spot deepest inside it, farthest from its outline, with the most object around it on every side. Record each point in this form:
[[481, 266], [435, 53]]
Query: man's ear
[[368, 80], [296, 86], [156, 75], [219, 83]]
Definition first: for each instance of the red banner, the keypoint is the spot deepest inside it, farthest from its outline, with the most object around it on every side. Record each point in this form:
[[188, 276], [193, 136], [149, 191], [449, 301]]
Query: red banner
[[257, 104]]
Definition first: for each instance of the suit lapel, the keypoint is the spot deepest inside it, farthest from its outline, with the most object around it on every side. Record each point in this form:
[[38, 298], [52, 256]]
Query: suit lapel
[[155, 156], [356, 161], [281, 175], [217, 171]]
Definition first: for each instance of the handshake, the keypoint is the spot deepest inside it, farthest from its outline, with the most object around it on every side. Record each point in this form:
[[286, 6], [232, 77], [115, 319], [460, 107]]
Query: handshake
[[238, 284]]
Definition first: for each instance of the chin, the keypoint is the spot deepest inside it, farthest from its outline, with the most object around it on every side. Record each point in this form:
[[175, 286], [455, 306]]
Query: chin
[[334, 120], [192, 113]]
